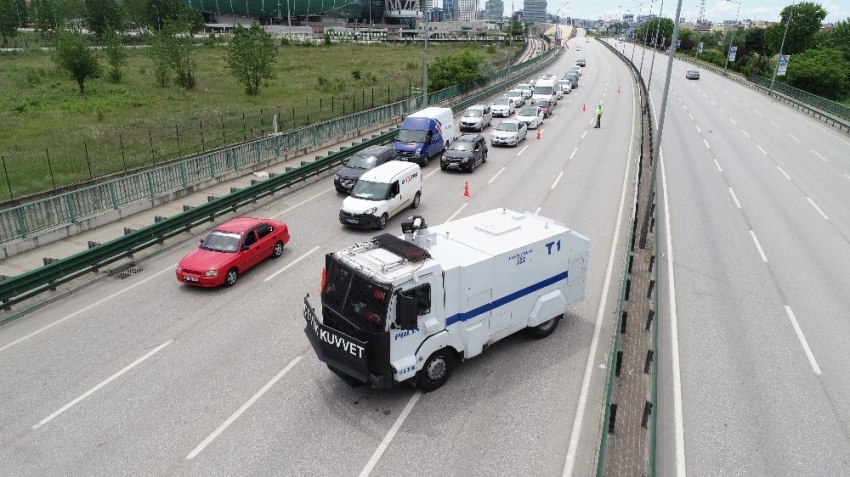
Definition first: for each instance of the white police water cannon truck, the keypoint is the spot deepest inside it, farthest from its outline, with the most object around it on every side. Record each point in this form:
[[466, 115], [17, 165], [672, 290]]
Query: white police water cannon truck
[[408, 308]]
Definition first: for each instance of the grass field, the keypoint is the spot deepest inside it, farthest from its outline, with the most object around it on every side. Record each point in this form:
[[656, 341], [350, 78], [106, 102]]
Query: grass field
[[52, 136]]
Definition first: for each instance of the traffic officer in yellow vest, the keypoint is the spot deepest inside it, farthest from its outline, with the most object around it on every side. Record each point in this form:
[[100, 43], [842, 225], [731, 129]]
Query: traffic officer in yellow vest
[[598, 116]]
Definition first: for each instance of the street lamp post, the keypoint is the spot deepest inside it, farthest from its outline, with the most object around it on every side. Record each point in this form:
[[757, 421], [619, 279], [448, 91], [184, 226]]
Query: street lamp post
[[425, 59], [781, 46], [731, 40]]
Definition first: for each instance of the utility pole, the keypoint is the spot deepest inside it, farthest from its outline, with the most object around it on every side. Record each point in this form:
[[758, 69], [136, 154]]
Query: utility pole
[[425, 60], [781, 46], [731, 40]]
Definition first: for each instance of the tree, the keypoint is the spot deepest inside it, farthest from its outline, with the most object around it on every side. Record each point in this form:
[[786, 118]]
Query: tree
[[754, 41], [250, 57], [72, 54], [159, 49], [458, 69], [160, 12], [171, 50], [820, 72], [68, 12], [43, 13], [103, 16], [116, 55], [805, 23], [650, 29], [9, 20], [838, 38]]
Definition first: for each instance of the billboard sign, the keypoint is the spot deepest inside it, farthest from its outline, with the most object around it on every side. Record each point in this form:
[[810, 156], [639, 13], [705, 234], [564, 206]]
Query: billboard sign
[[783, 64], [699, 48], [732, 52]]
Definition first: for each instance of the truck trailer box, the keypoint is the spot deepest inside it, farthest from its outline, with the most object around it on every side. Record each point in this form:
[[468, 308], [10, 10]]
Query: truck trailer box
[[408, 308]]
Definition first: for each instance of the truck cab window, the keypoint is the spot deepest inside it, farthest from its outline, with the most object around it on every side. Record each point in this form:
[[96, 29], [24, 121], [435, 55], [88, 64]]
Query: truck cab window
[[422, 294]]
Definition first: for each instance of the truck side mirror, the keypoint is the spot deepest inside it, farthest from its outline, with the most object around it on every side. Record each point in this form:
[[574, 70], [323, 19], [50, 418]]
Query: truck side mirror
[[405, 312]]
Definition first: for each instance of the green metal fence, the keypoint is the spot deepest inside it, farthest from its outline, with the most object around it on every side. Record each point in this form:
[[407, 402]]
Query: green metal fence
[[824, 104], [37, 216]]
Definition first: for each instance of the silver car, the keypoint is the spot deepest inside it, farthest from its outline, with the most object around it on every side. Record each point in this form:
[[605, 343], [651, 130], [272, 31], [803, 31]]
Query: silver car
[[518, 96], [508, 133], [503, 107], [532, 116]]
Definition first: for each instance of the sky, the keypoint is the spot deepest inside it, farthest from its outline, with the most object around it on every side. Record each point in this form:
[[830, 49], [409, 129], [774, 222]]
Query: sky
[[715, 10]]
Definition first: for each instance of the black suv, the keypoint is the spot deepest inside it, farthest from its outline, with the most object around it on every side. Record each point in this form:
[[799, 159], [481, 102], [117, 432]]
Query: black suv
[[466, 152]]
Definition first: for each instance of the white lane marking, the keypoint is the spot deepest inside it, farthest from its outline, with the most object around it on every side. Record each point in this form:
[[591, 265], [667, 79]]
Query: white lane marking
[[747, 105], [686, 108], [699, 130], [718, 165], [845, 175], [497, 174], [733, 121], [721, 110], [803, 341], [817, 208], [678, 419], [457, 211], [584, 134], [102, 384], [760, 149], [794, 138], [389, 437], [755, 111], [783, 173], [574, 153], [706, 143], [302, 203], [84, 309], [243, 408], [735, 98], [758, 246], [432, 173], [537, 211], [551, 120], [562, 109], [572, 449], [556, 180], [520, 152], [734, 197], [291, 264], [815, 153], [774, 124], [712, 102], [745, 133], [691, 115]]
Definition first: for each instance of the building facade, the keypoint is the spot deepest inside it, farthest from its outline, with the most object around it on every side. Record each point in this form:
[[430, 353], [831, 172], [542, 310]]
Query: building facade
[[467, 9], [534, 11], [494, 10]]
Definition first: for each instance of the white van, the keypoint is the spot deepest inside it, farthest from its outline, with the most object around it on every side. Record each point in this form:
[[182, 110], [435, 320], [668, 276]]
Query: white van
[[381, 193], [544, 92]]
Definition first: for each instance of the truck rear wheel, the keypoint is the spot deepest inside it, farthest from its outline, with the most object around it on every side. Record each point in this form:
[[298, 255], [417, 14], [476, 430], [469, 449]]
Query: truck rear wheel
[[544, 329], [436, 370]]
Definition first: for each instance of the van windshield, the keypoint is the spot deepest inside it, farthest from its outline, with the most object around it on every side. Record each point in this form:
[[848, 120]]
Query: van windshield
[[409, 135], [362, 162], [370, 190], [543, 90]]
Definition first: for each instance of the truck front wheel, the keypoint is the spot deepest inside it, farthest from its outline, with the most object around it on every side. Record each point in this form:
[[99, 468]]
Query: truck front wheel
[[544, 329], [436, 371]]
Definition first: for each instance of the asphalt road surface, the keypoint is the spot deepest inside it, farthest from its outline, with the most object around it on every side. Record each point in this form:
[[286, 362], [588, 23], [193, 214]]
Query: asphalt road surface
[[145, 376], [755, 237]]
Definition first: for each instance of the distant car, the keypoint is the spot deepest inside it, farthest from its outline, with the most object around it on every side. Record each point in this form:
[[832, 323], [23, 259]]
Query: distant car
[[586, 40], [359, 163], [503, 107], [565, 86], [575, 69], [573, 79], [231, 249], [532, 116], [508, 133], [465, 153], [692, 74], [526, 88], [518, 96], [581, 62], [578, 48], [476, 118]]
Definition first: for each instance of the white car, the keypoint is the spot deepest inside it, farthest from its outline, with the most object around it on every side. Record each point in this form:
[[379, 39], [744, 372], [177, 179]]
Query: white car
[[532, 116], [565, 86], [526, 88], [578, 48], [508, 133], [503, 107], [518, 96]]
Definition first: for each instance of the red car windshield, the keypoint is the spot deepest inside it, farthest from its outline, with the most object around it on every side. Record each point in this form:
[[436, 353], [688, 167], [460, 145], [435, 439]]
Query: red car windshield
[[218, 241]]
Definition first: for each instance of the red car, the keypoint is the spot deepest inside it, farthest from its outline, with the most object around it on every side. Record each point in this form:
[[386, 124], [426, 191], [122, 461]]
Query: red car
[[230, 249]]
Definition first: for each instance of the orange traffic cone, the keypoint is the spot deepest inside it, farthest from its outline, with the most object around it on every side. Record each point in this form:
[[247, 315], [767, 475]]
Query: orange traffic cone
[[466, 190], [618, 89], [583, 107], [538, 132]]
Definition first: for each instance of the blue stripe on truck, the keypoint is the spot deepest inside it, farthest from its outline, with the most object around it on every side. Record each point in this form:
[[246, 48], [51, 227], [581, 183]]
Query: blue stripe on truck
[[468, 315]]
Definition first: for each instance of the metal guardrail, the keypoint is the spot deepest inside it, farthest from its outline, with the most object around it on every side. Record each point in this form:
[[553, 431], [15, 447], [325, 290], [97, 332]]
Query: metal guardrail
[[41, 215], [823, 104], [26, 285], [815, 111], [22, 287]]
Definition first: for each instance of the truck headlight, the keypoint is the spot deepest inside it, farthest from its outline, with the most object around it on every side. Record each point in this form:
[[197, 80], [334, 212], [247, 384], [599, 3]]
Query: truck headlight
[[211, 273], [370, 211]]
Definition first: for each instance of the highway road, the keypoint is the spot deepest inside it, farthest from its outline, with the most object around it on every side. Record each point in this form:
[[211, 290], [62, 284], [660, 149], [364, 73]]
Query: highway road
[[145, 376], [755, 243]]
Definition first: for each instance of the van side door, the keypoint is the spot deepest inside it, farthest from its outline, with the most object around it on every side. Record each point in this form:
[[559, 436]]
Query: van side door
[[396, 200]]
